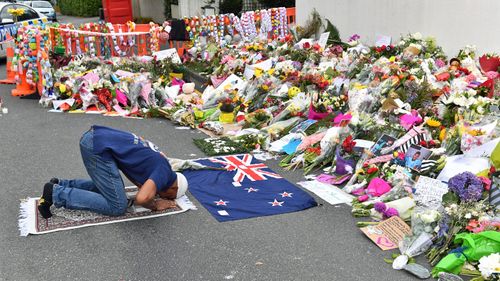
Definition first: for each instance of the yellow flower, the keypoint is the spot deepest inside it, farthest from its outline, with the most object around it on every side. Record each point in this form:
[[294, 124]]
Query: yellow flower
[[433, 123], [265, 87], [16, 12], [442, 134], [476, 132]]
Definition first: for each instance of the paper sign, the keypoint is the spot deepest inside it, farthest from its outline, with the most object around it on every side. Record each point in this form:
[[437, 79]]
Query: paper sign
[[57, 103], [327, 192], [383, 40], [388, 233], [250, 69], [323, 39], [234, 82], [457, 164], [300, 44], [169, 53], [429, 192]]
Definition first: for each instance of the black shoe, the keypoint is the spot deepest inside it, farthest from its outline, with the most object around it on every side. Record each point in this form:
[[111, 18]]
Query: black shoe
[[46, 201], [54, 181]]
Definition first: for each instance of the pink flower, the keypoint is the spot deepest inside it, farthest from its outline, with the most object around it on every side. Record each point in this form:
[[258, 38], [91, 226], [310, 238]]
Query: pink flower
[[339, 119], [492, 74], [486, 183], [359, 191], [409, 120], [470, 78], [440, 63], [226, 58], [363, 198]]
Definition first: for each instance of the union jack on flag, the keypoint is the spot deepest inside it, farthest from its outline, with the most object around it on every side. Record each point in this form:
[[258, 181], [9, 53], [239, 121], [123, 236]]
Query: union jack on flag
[[243, 166], [244, 188]]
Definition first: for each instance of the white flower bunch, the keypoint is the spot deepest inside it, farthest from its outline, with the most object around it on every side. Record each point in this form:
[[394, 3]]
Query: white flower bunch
[[489, 265]]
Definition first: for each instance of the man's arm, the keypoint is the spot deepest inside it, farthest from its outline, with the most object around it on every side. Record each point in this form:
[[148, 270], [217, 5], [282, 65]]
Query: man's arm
[[146, 198], [146, 194]]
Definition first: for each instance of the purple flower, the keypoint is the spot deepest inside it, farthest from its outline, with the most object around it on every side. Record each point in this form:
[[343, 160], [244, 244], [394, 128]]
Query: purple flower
[[354, 37], [391, 212], [467, 186], [380, 207], [297, 65]]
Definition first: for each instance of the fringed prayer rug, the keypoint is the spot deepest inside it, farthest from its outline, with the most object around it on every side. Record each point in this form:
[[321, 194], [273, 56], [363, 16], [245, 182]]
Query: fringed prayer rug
[[31, 222]]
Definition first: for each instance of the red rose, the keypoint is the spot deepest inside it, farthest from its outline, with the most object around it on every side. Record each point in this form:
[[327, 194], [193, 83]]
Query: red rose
[[372, 170], [306, 45]]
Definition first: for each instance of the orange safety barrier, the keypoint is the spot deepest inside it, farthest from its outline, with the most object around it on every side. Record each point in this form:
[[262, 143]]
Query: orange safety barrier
[[23, 88], [72, 38], [9, 50], [179, 45], [290, 15]]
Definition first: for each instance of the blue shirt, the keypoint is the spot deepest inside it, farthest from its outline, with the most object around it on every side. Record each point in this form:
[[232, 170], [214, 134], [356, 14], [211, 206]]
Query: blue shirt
[[413, 164], [137, 158]]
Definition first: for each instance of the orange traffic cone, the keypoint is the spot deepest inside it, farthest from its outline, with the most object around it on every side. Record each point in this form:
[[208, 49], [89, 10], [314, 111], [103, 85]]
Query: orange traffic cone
[[9, 50], [23, 88]]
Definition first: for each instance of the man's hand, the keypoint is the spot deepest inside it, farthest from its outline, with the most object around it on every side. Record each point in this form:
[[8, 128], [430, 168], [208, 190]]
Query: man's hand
[[163, 204]]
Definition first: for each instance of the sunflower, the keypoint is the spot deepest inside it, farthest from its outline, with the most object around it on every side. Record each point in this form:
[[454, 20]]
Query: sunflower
[[433, 123]]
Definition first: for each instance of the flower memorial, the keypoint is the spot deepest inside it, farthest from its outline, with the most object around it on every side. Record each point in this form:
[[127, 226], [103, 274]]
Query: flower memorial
[[409, 133]]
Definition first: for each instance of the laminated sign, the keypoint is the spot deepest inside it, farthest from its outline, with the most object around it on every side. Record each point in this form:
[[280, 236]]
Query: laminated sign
[[388, 233]]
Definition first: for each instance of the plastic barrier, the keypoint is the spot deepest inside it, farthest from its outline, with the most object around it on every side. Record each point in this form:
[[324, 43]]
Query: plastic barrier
[[102, 40], [23, 88], [179, 45], [290, 15], [9, 50]]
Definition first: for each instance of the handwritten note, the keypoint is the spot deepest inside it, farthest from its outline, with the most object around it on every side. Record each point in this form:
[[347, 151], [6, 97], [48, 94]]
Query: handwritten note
[[169, 53], [323, 39], [388, 233], [429, 192]]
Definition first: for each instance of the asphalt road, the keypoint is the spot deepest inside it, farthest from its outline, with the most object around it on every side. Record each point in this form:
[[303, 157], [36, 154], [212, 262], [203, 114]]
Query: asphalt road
[[321, 243]]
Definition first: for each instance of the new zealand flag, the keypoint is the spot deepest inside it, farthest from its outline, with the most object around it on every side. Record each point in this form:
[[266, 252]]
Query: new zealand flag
[[245, 188]]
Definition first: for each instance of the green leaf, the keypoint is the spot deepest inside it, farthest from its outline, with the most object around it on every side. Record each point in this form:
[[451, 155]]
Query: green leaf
[[334, 33], [450, 198], [389, 261]]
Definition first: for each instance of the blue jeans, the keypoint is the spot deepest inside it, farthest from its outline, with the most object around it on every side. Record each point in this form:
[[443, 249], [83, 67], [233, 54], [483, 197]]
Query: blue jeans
[[103, 194]]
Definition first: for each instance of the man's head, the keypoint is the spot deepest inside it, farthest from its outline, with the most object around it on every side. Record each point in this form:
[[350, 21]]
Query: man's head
[[416, 155], [177, 189], [389, 142]]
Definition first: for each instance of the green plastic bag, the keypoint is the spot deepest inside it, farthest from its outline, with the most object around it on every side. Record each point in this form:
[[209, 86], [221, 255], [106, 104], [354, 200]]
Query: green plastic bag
[[474, 246]]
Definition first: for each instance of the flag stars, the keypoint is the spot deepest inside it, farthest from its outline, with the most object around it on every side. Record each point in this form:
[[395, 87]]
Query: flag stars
[[221, 203], [276, 203], [251, 189], [286, 194]]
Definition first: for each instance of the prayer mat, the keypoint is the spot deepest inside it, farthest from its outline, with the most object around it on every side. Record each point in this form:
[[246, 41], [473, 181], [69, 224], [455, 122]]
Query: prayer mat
[[31, 222], [244, 188]]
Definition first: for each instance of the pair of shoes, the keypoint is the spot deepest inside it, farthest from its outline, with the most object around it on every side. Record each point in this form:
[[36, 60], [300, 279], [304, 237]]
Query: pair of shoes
[[46, 200]]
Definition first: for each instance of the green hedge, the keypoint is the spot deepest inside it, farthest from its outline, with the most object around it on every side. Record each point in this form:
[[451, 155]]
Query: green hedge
[[80, 8]]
